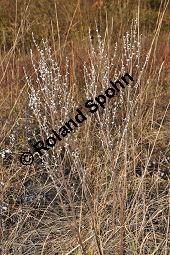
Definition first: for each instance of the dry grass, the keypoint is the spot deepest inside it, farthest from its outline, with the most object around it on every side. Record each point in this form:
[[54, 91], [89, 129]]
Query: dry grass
[[105, 188]]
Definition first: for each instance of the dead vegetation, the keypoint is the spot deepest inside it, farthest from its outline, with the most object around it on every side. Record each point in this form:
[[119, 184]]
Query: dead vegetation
[[105, 188]]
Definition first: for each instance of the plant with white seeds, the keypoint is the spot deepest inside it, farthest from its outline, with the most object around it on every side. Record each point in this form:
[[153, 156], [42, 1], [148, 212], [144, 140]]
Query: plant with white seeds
[[98, 183]]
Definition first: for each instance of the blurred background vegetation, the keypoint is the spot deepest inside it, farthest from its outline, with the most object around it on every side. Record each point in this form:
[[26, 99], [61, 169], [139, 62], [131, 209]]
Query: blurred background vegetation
[[22, 18]]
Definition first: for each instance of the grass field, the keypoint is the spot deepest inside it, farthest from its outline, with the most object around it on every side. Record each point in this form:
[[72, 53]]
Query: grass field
[[103, 189]]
